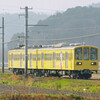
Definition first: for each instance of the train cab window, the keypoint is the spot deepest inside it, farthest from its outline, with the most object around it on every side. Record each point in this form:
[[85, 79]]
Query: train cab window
[[86, 53], [93, 54], [78, 53]]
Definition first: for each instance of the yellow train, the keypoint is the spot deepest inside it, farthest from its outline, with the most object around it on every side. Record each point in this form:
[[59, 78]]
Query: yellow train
[[76, 61]]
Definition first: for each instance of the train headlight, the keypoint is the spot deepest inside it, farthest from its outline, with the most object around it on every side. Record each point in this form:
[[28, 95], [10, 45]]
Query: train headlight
[[79, 63], [93, 63]]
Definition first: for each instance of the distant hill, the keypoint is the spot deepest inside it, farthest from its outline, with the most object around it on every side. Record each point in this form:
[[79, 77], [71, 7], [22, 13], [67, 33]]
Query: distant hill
[[74, 22], [15, 23], [95, 5]]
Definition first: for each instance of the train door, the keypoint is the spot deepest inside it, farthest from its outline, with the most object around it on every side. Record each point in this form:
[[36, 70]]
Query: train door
[[34, 60], [70, 60], [61, 60], [31, 60], [23, 60], [86, 59], [42, 60]]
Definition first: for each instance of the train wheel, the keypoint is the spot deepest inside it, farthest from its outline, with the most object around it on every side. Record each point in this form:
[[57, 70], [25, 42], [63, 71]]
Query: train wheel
[[87, 76], [84, 76], [74, 76]]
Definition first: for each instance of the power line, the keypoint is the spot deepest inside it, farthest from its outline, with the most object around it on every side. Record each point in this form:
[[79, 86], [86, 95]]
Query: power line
[[72, 28], [61, 39], [64, 39]]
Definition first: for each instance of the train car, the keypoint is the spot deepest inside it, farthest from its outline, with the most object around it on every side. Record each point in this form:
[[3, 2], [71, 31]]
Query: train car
[[75, 61]]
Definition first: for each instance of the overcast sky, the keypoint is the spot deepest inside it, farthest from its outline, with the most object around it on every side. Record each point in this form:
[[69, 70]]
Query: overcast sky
[[46, 6]]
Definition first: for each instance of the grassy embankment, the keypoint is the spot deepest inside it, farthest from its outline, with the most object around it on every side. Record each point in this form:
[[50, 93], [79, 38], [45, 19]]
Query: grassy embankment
[[42, 97], [52, 83]]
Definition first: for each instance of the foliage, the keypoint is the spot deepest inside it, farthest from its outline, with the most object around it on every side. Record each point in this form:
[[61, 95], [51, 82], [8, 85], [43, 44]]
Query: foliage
[[5, 75], [41, 97], [52, 83]]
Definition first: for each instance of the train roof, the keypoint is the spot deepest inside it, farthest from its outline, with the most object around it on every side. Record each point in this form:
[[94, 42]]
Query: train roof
[[52, 48]]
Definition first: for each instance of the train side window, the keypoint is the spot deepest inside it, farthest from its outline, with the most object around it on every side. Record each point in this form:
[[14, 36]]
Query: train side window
[[58, 56], [13, 56], [17, 57], [93, 54], [66, 54], [63, 56], [86, 53], [45, 56], [34, 57], [78, 53], [51, 57], [23, 57], [48, 57], [39, 56], [12, 59], [42, 59], [54, 59]]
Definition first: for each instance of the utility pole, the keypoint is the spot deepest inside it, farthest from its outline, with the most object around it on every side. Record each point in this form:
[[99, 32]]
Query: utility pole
[[2, 44], [26, 39]]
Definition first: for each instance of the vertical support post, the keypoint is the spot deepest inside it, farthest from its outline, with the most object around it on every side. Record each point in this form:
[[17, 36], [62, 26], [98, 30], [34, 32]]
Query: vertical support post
[[26, 40], [2, 44]]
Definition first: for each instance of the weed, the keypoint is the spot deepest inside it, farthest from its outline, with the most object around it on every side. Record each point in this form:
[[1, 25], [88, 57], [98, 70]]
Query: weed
[[52, 83], [58, 85], [76, 97], [4, 82]]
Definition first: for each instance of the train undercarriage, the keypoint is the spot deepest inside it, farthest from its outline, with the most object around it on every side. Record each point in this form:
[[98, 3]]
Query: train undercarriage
[[76, 74]]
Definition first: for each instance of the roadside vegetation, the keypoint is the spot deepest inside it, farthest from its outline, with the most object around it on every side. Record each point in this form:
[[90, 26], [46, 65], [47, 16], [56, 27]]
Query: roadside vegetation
[[86, 86], [43, 97]]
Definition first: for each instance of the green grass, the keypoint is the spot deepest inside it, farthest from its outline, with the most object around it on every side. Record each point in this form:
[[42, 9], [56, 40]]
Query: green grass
[[52, 83], [42, 97], [4, 75]]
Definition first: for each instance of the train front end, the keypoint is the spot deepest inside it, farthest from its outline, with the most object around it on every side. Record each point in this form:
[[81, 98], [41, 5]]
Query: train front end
[[86, 60]]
